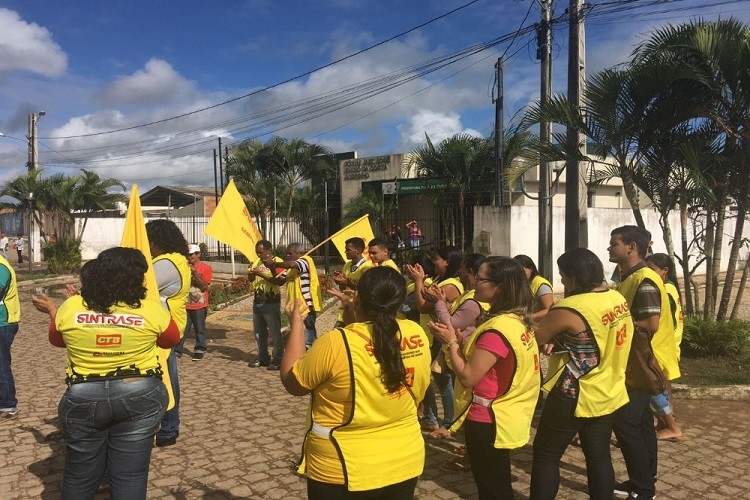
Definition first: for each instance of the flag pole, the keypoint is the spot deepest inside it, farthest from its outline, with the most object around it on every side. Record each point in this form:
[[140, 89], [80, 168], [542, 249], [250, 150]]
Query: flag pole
[[336, 234]]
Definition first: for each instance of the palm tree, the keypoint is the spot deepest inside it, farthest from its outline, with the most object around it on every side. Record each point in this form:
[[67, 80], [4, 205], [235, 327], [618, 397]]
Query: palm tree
[[617, 104], [377, 206], [25, 188], [713, 58], [293, 162], [463, 162], [243, 166], [93, 193]]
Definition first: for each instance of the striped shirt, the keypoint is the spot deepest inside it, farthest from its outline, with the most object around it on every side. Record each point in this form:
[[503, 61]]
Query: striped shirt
[[303, 269]]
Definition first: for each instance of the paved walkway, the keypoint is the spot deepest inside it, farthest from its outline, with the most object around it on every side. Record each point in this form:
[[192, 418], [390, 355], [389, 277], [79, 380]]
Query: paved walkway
[[241, 432]]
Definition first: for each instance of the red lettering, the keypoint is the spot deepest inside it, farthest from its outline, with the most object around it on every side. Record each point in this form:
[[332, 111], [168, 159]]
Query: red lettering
[[616, 312], [109, 340], [621, 336]]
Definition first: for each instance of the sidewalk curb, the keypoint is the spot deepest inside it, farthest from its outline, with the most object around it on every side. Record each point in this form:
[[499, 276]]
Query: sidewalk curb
[[723, 392]]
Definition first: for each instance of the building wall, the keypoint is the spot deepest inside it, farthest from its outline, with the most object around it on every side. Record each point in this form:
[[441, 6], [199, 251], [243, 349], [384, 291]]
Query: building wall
[[514, 231], [355, 171]]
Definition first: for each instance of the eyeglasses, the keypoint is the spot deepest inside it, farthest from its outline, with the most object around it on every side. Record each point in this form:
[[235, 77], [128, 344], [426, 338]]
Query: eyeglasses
[[480, 279]]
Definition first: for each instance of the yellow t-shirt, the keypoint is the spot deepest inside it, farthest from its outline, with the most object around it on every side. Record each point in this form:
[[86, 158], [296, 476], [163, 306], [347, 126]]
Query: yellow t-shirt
[[119, 344], [326, 370]]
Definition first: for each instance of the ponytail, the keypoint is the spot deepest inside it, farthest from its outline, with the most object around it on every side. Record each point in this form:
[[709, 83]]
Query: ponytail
[[387, 347], [381, 292]]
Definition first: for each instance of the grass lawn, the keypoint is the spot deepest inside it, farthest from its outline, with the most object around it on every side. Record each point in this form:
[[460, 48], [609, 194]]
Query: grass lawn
[[715, 371]]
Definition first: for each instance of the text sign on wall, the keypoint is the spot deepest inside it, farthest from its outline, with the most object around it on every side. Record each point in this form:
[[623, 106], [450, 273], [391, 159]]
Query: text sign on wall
[[360, 168]]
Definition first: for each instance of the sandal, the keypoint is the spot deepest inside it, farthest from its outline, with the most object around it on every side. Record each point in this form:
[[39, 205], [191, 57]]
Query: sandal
[[457, 465], [429, 427], [440, 433]]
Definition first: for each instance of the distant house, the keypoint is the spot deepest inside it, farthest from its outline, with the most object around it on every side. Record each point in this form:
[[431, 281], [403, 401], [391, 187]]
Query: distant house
[[179, 201]]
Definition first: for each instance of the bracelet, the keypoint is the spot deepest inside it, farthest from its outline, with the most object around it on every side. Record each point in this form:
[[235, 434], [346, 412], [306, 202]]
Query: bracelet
[[453, 342]]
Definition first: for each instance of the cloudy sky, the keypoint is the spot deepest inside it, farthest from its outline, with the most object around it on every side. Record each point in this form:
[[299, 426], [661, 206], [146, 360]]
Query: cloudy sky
[[141, 90]]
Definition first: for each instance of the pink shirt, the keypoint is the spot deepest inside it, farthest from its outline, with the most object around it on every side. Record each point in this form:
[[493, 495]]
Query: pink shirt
[[497, 380]]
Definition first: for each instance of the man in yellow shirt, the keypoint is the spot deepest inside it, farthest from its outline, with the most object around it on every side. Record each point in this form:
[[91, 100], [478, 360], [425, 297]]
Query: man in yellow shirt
[[266, 307], [10, 315], [353, 269], [378, 249]]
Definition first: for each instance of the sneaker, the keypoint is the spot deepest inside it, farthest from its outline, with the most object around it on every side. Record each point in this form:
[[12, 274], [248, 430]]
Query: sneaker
[[274, 367], [622, 490], [258, 363], [9, 414], [197, 356], [170, 441]]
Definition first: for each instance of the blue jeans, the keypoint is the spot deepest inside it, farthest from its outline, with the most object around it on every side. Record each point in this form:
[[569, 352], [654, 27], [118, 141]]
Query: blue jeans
[[634, 428], [196, 318], [557, 428], [444, 383], [310, 333], [8, 399], [267, 321], [109, 426], [170, 424]]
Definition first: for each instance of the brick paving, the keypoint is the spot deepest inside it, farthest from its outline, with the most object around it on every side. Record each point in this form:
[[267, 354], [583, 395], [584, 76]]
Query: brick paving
[[241, 432]]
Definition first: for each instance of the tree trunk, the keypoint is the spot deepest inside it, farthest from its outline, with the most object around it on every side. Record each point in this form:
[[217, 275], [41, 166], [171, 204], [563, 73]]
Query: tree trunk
[[689, 305], [288, 217], [741, 289], [737, 242], [461, 220], [666, 232], [709, 254], [631, 193], [721, 218], [733, 258]]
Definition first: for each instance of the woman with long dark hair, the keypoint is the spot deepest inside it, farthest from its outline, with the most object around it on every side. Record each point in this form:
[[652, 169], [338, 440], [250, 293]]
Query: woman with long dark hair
[[447, 263], [367, 380], [586, 382], [667, 428], [115, 397], [541, 288], [497, 375]]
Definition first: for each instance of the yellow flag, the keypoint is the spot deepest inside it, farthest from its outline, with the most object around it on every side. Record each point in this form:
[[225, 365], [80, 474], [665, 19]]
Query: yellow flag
[[360, 228], [231, 223], [134, 236]]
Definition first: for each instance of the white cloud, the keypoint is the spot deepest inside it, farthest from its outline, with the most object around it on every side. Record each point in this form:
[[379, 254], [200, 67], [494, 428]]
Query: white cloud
[[28, 47], [437, 125], [156, 83]]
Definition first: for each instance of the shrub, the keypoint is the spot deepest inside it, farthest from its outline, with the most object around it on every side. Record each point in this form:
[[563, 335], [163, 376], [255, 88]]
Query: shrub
[[63, 256], [708, 338], [204, 251], [219, 293]]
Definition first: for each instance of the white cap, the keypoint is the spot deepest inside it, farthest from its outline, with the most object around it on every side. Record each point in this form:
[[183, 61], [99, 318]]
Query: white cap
[[193, 249]]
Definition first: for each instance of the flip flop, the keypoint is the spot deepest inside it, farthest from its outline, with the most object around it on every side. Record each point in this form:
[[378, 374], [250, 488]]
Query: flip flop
[[673, 439], [440, 433], [457, 465]]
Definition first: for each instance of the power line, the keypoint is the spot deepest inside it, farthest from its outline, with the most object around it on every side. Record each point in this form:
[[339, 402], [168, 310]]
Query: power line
[[307, 73]]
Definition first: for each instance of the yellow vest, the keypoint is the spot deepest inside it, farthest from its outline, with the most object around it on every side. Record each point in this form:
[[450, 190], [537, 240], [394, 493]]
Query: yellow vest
[[261, 285], [119, 344], [294, 288], [536, 283], [381, 442], [678, 320], [176, 302], [514, 409], [354, 276], [424, 319], [387, 263], [663, 342], [602, 390], [10, 307], [483, 308]]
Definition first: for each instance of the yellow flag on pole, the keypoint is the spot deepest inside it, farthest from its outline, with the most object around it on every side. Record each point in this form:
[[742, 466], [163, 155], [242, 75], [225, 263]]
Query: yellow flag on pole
[[231, 223], [134, 236], [360, 228]]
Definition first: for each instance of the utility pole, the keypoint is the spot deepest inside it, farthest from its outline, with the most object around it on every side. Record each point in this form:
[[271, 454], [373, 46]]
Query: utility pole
[[544, 54], [498, 101], [33, 166], [576, 227], [221, 190]]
